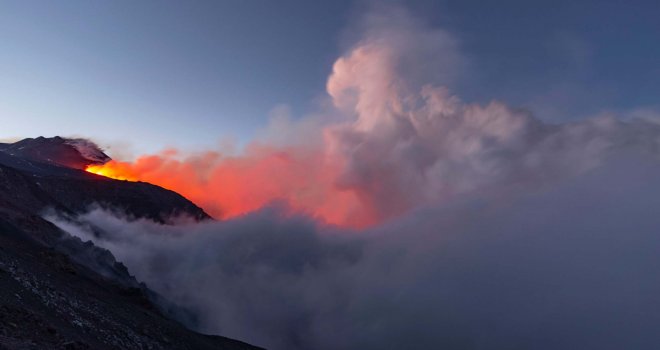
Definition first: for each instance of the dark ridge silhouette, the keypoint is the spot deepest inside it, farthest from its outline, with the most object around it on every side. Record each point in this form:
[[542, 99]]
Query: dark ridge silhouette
[[57, 292]]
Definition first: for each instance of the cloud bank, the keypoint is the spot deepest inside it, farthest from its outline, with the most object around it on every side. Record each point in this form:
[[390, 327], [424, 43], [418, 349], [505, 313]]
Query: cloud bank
[[458, 225], [571, 267]]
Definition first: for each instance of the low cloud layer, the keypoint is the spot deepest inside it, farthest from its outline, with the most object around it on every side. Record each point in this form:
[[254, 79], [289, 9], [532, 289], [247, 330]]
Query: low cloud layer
[[571, 267]]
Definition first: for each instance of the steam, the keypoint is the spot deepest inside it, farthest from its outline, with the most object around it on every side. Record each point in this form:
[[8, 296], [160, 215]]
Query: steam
[[458, 225], [571, 267], [88, 150]]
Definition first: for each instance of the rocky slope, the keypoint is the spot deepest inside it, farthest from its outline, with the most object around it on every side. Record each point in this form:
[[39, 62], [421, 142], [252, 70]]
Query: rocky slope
[[57, 292], [45, 172]]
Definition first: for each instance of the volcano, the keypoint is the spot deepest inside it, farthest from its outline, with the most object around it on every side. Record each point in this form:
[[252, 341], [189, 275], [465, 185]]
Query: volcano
[[61, 293]]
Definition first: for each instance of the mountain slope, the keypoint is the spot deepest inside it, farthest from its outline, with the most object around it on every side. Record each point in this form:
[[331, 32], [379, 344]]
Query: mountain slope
[[36, 177], [70, 153], [57, 292]]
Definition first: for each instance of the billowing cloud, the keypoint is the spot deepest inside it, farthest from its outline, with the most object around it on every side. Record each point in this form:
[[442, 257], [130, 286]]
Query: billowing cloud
[[391, 142], [570, 267]]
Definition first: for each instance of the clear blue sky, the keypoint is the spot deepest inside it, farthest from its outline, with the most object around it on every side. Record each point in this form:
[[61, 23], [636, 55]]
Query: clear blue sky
[[187, 73]]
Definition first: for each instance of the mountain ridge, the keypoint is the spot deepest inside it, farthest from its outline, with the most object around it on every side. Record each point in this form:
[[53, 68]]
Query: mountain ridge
[[58, 292]]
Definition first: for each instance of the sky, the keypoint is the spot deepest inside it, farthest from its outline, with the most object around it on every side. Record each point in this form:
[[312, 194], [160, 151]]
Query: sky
[[155, 74]]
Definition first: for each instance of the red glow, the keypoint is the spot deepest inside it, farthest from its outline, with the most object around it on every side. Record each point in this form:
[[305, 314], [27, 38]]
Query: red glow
[[226, 187]]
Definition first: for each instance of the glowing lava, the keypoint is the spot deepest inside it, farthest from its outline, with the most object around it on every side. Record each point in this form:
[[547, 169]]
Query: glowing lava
[[113, 170], [227, 187]]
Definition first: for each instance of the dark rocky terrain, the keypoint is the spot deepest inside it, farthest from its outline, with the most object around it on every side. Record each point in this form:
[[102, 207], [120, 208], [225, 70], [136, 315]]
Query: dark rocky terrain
[[57, 292], [57, 181]]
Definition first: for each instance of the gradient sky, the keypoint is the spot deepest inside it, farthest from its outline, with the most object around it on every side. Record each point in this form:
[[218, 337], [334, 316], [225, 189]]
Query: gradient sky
[[187, 74]]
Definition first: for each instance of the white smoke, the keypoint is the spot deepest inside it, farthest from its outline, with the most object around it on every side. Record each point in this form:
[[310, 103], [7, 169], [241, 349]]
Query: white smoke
[[89, 150], [406, 141]]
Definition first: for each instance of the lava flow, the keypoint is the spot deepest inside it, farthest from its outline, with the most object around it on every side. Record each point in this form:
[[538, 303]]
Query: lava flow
[[227, 187], [112, 170]]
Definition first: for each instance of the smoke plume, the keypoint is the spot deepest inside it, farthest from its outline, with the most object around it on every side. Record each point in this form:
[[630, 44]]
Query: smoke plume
[[392, 141], [456, 225]]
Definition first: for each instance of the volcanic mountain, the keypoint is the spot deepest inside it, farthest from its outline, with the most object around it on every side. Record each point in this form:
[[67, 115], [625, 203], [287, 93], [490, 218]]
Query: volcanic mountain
[[57, 292]]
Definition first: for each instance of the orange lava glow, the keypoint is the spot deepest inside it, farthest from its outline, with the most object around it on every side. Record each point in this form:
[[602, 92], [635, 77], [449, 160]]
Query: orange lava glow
[[227, 187], [113, 170]]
